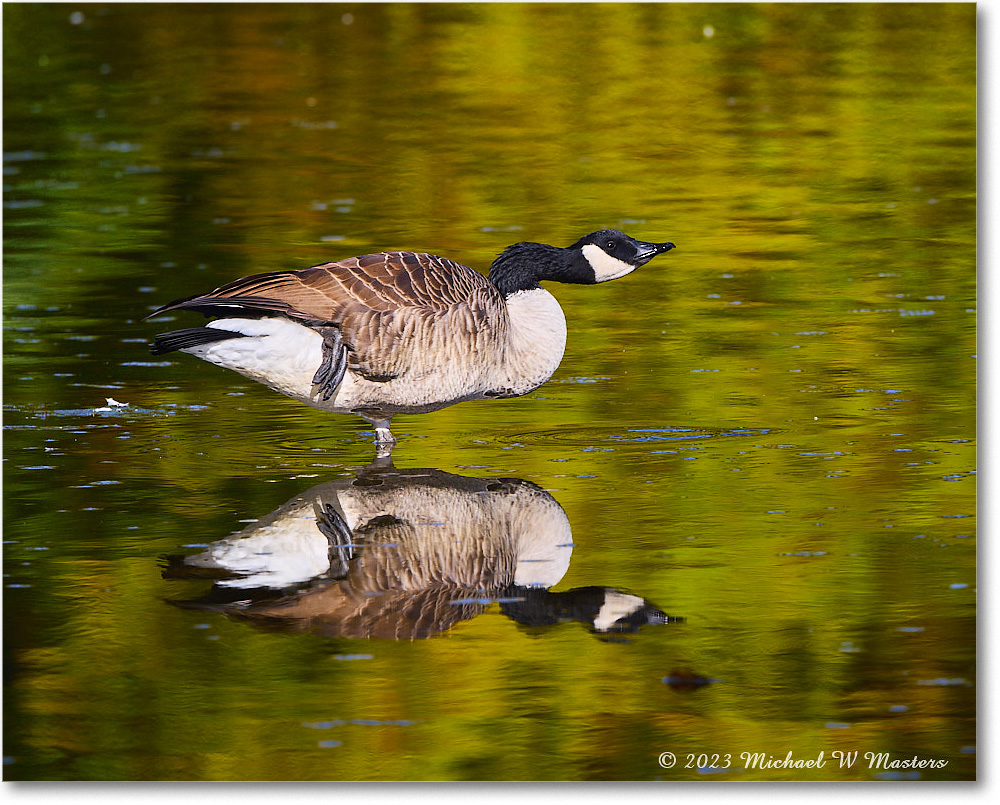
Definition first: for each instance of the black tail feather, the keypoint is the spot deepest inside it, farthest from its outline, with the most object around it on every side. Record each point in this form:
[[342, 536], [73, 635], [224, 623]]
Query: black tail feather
[[249, 307], [191, 337]]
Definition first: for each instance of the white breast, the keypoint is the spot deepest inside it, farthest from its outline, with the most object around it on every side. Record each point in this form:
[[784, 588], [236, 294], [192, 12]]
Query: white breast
[[537, 340]]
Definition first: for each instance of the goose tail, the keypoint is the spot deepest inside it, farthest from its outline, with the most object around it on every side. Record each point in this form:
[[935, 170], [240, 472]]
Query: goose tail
[[191, 337]]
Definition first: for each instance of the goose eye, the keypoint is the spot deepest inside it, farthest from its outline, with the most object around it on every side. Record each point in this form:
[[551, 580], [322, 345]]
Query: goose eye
[[610, 245]]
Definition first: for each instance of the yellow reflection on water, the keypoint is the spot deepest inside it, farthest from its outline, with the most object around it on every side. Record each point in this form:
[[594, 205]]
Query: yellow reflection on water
[[769, 433]]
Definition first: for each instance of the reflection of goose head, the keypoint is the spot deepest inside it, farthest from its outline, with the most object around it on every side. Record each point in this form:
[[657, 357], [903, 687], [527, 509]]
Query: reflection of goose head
[[402, 554], [603, 608]]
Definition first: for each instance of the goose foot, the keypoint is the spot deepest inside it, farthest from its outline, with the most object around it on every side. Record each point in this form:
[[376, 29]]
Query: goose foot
[[384, 442], [383, 436]]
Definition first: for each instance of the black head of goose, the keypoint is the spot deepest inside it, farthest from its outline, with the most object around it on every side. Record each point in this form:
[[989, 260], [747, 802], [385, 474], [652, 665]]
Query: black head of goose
[[401, 332]]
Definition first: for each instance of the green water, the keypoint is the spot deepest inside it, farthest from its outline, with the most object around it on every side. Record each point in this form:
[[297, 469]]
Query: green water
[[769, 433]]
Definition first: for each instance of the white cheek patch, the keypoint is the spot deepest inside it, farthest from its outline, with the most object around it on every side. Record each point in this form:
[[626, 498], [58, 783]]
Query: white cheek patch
[[616, 606], [605, 266]]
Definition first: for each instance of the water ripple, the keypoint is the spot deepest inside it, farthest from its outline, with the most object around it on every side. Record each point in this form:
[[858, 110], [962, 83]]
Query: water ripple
[[595, 437]]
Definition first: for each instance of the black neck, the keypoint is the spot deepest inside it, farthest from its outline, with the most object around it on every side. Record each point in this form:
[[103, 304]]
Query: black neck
[[522, 266]]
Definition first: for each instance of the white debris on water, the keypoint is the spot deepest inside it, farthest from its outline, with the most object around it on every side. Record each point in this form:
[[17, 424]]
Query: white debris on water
[[112, 405]]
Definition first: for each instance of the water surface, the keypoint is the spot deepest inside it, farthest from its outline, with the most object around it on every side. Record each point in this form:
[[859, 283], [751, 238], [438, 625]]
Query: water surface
[[767, 436]]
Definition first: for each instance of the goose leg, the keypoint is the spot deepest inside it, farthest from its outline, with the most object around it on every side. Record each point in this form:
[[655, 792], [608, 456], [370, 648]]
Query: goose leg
[[331, 371], [383, 436], [341, 540], [384, 442]]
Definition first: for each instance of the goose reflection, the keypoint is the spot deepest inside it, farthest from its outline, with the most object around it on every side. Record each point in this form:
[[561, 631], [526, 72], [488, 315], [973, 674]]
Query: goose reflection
[[406, 554]]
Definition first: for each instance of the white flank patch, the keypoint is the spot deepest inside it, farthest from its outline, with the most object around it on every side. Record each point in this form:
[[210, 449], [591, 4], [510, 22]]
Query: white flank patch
[[605, 266], [616, 606], [291, 550], [278, 353]]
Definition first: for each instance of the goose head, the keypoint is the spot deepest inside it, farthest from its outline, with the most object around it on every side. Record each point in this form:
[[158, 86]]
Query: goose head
[[609, 254], [598, 257]]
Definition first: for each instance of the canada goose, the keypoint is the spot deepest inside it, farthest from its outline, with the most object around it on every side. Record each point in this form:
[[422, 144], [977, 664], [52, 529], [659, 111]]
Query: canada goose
[[405, 554], [401, 332]]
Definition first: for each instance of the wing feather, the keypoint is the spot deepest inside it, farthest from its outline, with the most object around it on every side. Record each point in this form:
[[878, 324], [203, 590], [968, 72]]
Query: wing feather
[[388, 306], [376, 282]]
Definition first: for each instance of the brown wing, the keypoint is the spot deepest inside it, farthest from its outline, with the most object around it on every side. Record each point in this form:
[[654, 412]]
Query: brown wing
[[384, 304], [340, 611], [323, 293]]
